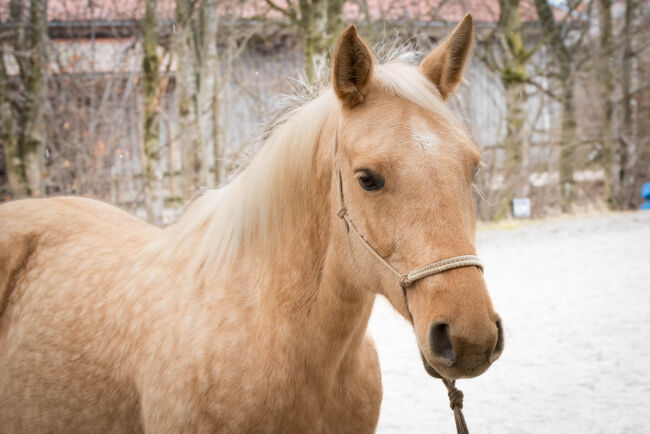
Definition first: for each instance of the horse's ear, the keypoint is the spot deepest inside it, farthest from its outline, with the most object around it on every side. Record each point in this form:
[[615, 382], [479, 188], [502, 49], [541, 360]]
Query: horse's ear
[[352, 67], [446, 64]]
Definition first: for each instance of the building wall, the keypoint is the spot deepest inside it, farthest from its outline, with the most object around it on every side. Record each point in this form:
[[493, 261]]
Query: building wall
[[95, 118]]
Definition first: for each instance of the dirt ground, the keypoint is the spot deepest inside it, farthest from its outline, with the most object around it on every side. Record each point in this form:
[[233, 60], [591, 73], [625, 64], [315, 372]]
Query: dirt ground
[[574, 296]]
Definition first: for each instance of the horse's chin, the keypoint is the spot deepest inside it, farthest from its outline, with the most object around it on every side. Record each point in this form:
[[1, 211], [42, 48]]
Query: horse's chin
[[429, 368], [451, 373]]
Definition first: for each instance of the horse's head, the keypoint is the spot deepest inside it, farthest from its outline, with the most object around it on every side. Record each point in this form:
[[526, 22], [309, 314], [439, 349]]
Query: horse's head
[[406, 167]]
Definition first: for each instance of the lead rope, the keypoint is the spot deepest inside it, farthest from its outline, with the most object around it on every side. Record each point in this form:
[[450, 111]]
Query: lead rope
[[406, 281], [455, 395], [456, 404]]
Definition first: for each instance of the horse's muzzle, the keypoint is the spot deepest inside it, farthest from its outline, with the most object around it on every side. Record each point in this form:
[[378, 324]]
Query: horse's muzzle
[[457, 358]]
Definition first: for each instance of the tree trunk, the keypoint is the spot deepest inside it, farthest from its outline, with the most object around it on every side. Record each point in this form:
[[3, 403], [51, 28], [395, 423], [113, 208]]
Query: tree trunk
[[24, 128], [513, 76], [208, 96], [187, 91], [309, 40], [516, 142], [553, 34], [567, 144], [217, 146], [197, 89], [320, 25], [334, 21], [628, 139], [9, 138], [152, 172], [33, 146], [606, 82]]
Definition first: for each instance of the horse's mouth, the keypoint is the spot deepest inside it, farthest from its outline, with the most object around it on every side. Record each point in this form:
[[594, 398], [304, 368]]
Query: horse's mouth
[[452, 373], [429, 368]]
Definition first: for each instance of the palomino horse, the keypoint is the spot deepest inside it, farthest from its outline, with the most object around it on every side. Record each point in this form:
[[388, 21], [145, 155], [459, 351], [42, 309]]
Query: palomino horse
[[249, 314]]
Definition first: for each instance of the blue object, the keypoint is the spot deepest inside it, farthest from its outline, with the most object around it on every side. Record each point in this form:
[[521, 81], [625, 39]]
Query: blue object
[[645, 190]]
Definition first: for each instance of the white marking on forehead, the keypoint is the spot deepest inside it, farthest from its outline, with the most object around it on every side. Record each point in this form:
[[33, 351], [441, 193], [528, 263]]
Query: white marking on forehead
[[426, 139]]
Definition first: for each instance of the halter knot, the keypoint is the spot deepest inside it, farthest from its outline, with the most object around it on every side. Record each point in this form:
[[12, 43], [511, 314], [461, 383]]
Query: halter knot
[[405, 282], [342, 212], [455, 397]]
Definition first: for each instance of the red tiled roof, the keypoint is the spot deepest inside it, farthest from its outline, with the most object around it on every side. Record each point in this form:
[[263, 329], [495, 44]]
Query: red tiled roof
[[392, 10], [483, 11], [101, 10]]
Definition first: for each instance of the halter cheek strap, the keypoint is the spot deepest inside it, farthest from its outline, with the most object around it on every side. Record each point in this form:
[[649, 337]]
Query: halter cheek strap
[[406, 280]]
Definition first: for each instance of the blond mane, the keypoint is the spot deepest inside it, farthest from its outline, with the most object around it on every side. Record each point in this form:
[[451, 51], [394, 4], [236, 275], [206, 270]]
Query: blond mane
[[266, 197]]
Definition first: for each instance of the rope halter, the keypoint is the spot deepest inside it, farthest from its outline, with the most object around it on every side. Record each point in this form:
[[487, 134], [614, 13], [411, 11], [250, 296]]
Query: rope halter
[[406, 280]]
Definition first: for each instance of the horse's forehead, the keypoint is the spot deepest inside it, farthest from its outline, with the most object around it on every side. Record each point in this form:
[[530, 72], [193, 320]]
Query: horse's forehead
[[396, 124], [424, 135], [434, 134]]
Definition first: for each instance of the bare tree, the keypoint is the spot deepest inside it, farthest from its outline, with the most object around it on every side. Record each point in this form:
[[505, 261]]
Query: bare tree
[[507, 55], [8, 134], [628, 137], [564, 53], [97, 79], [23, 109], [197, 84], [152, 172], [318, 23], [605, 79]]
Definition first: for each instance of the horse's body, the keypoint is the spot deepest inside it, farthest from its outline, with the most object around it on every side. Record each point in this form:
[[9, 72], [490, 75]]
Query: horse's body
[[250, 313], [138, 347]]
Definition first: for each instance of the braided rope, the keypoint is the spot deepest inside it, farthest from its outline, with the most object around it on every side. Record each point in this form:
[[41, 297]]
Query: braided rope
[[444, 265], [456, 404]]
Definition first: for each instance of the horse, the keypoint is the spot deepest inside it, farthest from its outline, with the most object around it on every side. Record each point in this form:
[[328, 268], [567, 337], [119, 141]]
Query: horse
[[249, 313]]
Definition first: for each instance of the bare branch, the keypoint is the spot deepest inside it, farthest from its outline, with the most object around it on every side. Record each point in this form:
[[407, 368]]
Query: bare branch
[[289, 13]]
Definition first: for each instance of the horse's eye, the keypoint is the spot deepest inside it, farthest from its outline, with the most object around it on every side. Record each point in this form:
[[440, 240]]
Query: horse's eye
[[370, 181], [475, 172]]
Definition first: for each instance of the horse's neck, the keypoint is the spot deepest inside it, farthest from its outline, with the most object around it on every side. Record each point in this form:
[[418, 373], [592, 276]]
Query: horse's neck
[[291, 295], [310, 303], [304, 296]]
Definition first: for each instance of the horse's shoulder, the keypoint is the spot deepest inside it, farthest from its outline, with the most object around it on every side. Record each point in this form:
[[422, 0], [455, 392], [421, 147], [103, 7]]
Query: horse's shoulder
[[15, 257], [18, 241]]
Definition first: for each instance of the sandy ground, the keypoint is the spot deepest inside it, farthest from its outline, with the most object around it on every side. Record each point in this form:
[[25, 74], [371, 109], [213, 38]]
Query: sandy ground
[[574, 296]]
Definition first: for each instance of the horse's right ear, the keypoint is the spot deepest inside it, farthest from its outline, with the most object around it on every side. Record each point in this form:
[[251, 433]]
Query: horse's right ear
[[445, 66], [352, 67]]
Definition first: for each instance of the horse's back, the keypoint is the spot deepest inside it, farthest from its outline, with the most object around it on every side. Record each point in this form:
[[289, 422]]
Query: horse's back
[[63, 213], [33, 225], [57, 299]]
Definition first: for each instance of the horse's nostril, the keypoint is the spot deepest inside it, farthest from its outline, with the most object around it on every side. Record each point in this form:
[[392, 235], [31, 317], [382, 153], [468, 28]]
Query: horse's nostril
[[498, 349], [440, 342]]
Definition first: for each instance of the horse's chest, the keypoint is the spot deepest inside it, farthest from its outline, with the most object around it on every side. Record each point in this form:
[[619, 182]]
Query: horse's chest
[[283, 399]]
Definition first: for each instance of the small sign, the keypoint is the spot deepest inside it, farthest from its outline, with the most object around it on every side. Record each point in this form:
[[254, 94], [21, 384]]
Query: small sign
[[521, 207]]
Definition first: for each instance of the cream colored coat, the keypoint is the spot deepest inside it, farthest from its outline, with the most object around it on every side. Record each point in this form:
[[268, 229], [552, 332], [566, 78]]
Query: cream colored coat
[[250, 313]]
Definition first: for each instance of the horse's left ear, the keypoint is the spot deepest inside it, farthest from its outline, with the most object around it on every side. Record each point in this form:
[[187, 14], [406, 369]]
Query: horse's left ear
[[446, 64], [352, 67]]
